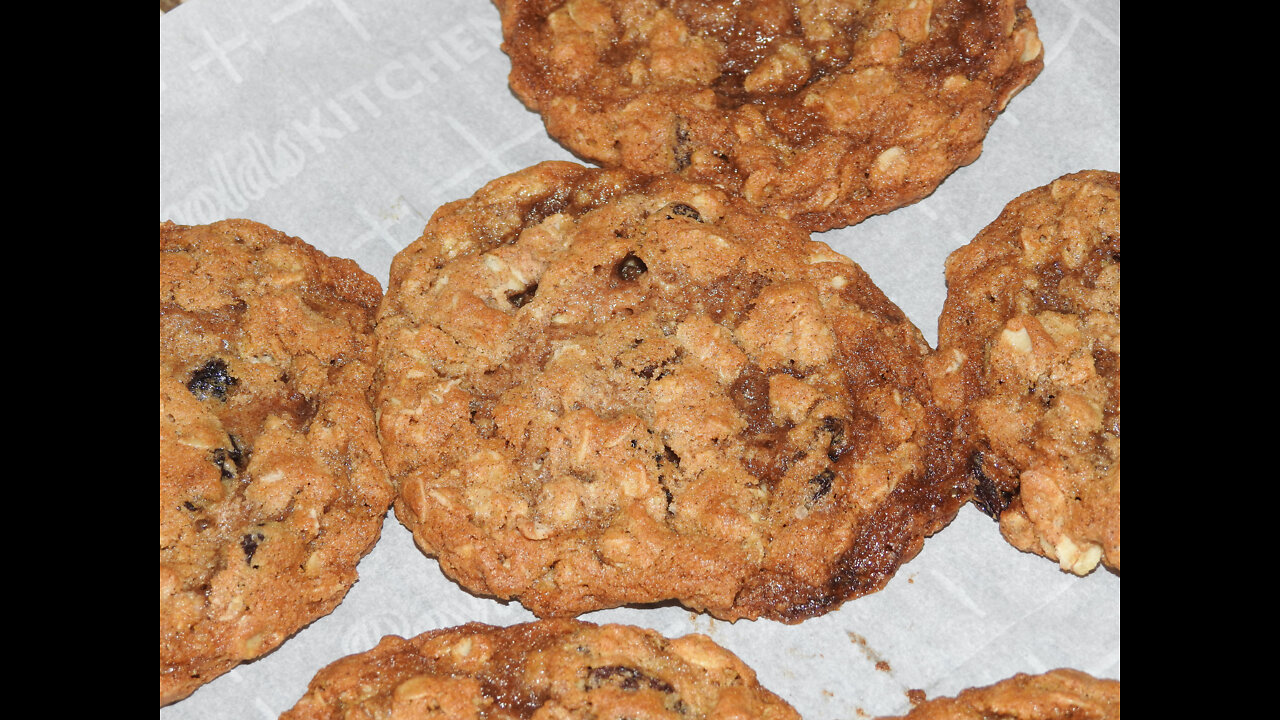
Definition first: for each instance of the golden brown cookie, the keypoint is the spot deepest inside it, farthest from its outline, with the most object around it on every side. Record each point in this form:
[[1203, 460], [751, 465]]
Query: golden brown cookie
[[546, 669], [822, 112], [272, 485], [1056, 695], [1029, 360], [601, 388]]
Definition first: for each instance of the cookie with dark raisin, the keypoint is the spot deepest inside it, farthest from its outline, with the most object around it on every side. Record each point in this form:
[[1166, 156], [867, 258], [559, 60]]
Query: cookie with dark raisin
[[601, 388], [1028, 360], [546, 669], [272, 485], [1061, 694], [824, 113]]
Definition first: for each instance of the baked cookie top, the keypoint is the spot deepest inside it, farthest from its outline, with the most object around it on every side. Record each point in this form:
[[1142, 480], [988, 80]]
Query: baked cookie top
[[1056, 695], [1029, 360], [600, 388], [824, 112], [271, 479], [545, 669]]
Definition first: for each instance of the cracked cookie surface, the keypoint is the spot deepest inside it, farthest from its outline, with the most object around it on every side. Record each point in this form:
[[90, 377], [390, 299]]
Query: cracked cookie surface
[[272, 485], [1029, 361], [544, 669], [1061, 694], [821, 111], [601, 388]]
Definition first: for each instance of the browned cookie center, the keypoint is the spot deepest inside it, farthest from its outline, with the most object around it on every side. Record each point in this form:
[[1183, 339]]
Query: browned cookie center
[[654, 393]]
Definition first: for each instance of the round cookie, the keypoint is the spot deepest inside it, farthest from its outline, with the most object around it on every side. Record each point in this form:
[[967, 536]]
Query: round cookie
[[821, 112], [272, 485], [602, 388], [545, 669], [1029, 361], [1056, 695]]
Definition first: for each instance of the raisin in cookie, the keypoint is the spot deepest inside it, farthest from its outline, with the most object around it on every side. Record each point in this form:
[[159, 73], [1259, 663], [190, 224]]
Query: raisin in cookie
[[1029, 360], [1055, 695], [545, 669], [600, 388], [821, 112], [272, 485]]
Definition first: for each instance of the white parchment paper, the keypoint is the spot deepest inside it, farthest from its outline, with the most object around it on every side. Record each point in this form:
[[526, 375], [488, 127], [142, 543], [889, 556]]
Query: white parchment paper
[[347, 124]]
